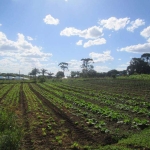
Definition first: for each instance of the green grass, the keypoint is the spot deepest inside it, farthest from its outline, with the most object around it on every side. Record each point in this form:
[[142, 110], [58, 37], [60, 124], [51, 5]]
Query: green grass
[[10, 132], [137, 142], [138, 77]]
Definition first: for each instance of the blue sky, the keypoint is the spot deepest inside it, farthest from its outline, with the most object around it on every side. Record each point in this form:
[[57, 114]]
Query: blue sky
[[43, 33]]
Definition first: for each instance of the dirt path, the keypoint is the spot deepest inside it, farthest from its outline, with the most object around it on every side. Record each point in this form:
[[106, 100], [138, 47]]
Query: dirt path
[[27, 142]]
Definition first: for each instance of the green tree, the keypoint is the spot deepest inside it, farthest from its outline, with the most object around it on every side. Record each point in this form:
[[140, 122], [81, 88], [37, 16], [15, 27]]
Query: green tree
[[92, 73], [138, 65], [34, 72], [60, 74], [75, 73], [50, 74], [112, 73], [63, 66], [43, 71], [86, 65]]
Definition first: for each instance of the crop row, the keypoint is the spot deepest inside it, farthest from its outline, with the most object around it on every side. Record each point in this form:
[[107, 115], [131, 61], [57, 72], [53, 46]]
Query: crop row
[[89, 110]]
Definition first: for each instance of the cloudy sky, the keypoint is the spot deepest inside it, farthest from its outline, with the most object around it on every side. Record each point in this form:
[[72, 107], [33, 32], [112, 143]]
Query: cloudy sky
[[43, 33]]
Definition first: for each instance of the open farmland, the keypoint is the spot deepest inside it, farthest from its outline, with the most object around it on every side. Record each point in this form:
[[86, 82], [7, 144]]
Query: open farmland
[[76, 114]]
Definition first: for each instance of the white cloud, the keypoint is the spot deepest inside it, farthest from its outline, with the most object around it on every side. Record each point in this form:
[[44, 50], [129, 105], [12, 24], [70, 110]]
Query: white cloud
[[148, 40], [26, 55], [119, 59], [140, 48], [90, 33], [0, 24], [75, 65], [71, 31], [50, 20], [98, 41], [135, 24], [114, 23], [146, 32], [29, 38], [79, 42], [101, 57], [122, 66], [101, 68]]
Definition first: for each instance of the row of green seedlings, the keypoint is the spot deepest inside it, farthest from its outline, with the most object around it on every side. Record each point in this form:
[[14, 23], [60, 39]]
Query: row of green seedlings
[[115, 88], [107, 100], [101, 125], [140, 107], [2, 85], [114, 115], [4, 90], [12, 97], [42, 117], [123, 97], [91, 92], [69, 103], [63, 132], [40, 113], [120, 83], [60, 103], [10, 129]]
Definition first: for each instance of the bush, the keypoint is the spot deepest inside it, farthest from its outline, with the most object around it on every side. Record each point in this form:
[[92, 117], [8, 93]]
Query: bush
[[10, 132], [42, 79]]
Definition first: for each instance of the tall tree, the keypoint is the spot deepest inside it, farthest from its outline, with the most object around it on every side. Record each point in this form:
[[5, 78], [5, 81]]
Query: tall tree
[[43, 71], [138, 65], [86, 65], [34, 72], [63, 66], [50, 74]]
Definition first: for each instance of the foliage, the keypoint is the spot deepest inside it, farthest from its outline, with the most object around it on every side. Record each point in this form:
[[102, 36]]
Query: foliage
[[43, 71], [41, 79], [10, 133], [86, 63], [112, 73], [138, 140], [138, 65], [60, 74], [50, 74], [63, 66], [86, 66], [75, 73]]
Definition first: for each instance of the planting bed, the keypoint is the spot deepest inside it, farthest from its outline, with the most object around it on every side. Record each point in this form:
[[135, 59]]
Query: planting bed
[[79, 114]]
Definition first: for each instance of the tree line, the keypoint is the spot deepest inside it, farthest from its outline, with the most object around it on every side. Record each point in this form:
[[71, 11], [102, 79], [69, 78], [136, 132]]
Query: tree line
[[139, 65], [136, 66]]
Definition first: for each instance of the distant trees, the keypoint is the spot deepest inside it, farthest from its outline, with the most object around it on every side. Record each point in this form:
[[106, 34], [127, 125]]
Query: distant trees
[[34, 72], [60, 74], [139, 65], [112, 73], [86, 66], [43, 71], [63, 66], [50, 74], [75, 74]]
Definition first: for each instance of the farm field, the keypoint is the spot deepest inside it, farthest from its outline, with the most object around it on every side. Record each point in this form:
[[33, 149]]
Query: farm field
[[75, 114]]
